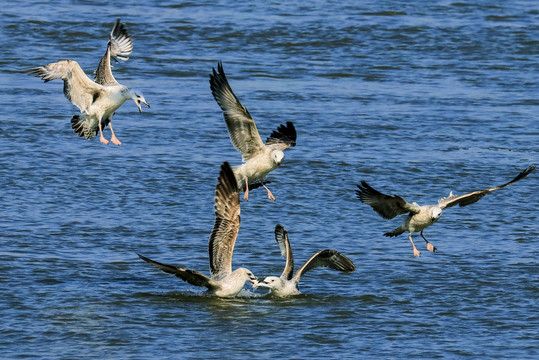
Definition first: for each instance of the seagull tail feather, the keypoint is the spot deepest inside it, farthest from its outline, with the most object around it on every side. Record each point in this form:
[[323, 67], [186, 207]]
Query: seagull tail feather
[[78, 124]]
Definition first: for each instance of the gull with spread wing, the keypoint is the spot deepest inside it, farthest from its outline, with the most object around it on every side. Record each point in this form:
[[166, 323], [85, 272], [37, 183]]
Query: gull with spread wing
[[223, 281], [420, 217], [259, 158], [97, 100], [287, 283]]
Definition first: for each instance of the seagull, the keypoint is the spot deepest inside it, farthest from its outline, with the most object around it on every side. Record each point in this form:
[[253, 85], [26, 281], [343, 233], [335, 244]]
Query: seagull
[[259, 158], [223, 281], [420, 217], [286, 284], [97, 100]]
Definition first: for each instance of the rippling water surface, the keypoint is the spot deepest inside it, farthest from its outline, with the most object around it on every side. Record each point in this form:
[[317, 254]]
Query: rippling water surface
[[417, 98]]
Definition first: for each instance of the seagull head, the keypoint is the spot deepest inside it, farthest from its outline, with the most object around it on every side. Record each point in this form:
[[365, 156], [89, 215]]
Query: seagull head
[[277, 157], [435, 213], [272, 282], [247, 275], [139, 99]]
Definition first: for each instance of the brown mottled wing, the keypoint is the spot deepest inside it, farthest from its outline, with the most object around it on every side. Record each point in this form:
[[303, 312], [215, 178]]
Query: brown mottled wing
[[241, 126], [191, 276], [227, 223], [283, 137], [470, 198], [120, 45], [281, 236], [386, 206], [326, 258], [78, 87]]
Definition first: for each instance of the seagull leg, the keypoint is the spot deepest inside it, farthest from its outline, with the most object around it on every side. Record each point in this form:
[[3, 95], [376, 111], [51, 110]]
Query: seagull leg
[[270, 195], [246, 195], [416, 252], [101, 137], [114, 139], [430, 247]]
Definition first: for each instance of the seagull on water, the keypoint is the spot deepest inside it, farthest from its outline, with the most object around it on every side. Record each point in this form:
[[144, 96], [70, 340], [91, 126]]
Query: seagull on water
[[286, 284], [99, 99], [223, 281], [259, 158], [420, 217]]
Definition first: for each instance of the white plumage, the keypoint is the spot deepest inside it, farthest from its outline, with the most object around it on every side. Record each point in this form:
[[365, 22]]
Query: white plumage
[[223, 281], [259, 158], [287, 283], [97, 100], [420, 217]]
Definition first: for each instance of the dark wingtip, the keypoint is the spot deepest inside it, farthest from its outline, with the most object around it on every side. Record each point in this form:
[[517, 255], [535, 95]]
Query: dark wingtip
[[284, 134], [143, 258]]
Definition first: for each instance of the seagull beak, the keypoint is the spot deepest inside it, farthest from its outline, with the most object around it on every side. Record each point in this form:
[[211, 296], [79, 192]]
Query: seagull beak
[[253, 280], [261, 283], [138, 104]]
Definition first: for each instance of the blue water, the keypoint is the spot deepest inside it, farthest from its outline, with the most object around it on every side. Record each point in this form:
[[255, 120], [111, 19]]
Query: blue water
[[417, 98]]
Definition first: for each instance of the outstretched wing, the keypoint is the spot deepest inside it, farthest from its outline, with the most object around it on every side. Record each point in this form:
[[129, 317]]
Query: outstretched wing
[[326, 258], [386, 206], [240, 124], [281, 236], [283, 137], [227, 223], [191, 276], [470, 198], [78, 87], [120, 45]]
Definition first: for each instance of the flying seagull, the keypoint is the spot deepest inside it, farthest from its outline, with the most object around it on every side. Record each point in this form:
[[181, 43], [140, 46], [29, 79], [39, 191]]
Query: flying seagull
[[97, 100], [259, 158], [286, 284], [223, 281], [420, 217]]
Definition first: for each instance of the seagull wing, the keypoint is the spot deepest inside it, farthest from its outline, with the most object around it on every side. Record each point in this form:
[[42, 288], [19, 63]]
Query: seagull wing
[[326, 258], [386, 206], [227, 223], [120, 45], [78, 87], [191, 276], [240, 124], [283, 137], [470, 198], [281, 236]]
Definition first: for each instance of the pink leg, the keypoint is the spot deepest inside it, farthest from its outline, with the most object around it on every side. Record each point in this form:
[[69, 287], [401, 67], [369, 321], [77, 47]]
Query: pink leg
[[430, 247], [114, 139], [270, 195], [101, 137], [416, 252], [246, 195]]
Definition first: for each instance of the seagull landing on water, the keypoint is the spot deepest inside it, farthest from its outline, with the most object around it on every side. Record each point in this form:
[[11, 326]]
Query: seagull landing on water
[[420, 217], [99, 99], [223, 281], [286, 284], [259, 158]]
